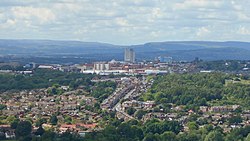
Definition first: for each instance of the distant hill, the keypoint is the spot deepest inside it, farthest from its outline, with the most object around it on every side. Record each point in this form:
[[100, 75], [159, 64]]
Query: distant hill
[[179, 50], [53, 47]]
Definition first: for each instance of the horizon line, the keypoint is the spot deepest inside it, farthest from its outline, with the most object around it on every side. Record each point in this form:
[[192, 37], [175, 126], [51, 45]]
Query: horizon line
[[100, 42]]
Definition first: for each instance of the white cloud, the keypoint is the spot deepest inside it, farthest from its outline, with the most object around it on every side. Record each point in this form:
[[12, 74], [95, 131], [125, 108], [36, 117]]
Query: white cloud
[[203, 31], [11, 22], [125, 21], [43, 15], [190, 4], [243, 30], [70, 7], [122, 22], [243, 17], [156, 13]]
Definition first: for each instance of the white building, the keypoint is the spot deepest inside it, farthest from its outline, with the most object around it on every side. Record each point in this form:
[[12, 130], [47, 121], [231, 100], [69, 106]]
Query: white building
[[101, 66]]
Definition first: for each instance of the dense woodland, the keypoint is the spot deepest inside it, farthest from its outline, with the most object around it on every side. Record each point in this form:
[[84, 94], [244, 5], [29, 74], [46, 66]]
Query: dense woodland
[[155, 130], [43, 79], [202, 89]]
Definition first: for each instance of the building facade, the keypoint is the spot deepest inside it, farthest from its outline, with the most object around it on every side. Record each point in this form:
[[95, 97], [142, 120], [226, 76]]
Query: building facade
[[129, 55], [101, 66]]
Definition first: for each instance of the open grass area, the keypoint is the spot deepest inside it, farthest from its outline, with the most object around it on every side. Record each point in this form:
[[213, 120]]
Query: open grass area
[[238, 81], [245, 82]]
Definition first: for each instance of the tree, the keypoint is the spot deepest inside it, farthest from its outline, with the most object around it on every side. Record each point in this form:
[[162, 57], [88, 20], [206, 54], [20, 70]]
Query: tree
[[14, 123], [40, 131], [182, 137], [208, 127], [235, 120], [110, 133], [192, 126], [131, 110], [238, 110], [193, 136], [11, 119], [161, 127], [137, 132], [2, 136], [151, 137], [29, 119], [53, 120], [248, 137], [48, 136], [23, 129], [168, 136], [2, 106], [67, 136], [139, 114], [68, 120], [40, 122], [214, 136]]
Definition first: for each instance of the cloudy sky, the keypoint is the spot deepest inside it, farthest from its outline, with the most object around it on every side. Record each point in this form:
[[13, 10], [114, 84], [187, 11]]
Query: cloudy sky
[[125, 21]]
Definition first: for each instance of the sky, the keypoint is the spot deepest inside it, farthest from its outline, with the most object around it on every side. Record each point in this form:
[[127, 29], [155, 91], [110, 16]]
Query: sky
[[126, 22]]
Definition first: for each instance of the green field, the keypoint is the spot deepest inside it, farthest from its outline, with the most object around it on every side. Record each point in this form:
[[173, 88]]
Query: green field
[[239, 81]]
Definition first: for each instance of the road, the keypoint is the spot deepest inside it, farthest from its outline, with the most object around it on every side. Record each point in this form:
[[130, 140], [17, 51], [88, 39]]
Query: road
[[131, 90]]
